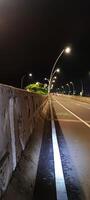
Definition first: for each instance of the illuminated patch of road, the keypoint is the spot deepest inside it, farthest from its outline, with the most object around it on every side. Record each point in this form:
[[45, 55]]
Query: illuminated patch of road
[[73, 184], [59, 177], [84, 122]]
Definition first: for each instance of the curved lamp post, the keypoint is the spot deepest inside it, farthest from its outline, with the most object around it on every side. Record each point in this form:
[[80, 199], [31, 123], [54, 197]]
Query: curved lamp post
[[53, 71], [52, 79], [73, 87], [82, 90], [55, 77], [46, 79], [68, 88], [62, 87], [22, 79]]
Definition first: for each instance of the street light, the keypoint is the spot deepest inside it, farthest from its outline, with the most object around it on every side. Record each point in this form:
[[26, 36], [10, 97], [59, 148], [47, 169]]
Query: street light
[[37, 83], [30, 75], [57, 70], [73, 87], [22, 78], [68, 88], [82, 90], [46, 79], [67, 50], [53, 81], [54, 77], [51, 86], [62, 87]]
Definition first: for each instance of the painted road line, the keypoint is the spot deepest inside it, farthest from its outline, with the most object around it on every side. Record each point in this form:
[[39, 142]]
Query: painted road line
[[59, 176], [67, 120], [84, 122]]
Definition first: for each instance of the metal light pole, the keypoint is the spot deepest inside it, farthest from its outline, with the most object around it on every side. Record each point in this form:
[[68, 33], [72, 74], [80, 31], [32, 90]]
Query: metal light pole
[[73, 87], [52, 78], [67, 51], [81, 93], [62, 89], [22, 79], [68, 88]]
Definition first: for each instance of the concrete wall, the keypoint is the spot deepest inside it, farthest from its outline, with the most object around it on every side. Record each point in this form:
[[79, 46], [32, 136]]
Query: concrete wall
[[18, 110]]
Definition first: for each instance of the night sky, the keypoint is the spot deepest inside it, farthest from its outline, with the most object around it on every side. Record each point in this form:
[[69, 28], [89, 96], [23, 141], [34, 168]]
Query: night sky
[[34, 32]]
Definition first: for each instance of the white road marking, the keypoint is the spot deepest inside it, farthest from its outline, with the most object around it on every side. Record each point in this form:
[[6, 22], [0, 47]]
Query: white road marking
[[67, 120], [84, 122], [59, 177]]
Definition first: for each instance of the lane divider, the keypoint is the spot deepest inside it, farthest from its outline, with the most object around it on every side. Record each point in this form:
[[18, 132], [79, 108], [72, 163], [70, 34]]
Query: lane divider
[[84, 122], [61, 192]]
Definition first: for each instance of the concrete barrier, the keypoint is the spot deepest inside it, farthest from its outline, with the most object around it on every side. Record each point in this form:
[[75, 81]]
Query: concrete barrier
[[18, 109]]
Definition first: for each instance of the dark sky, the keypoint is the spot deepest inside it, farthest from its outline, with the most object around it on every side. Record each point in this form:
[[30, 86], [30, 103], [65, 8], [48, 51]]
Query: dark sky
[[33, 33]]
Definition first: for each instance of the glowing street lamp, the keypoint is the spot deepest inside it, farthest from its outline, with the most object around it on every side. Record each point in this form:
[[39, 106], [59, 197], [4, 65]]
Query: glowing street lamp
[[30, 75], [53, 81], [62, 88], [55, 71], [46, 79], [51, 87], [68, 88], [54, 77], [73, 87], [82, 90], [67, 50], [22, 79], [37, 83]]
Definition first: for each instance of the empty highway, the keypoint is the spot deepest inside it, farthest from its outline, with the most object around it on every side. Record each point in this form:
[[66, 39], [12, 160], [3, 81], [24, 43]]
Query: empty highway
[[72, 120], [56, 162]]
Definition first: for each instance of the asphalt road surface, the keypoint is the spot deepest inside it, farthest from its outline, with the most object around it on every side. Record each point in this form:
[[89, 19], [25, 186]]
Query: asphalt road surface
[[72, 120], [56, 162]]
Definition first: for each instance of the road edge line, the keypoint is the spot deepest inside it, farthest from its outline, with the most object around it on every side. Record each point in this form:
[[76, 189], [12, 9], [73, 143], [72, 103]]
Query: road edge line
[[61, 192], [73, 114]]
